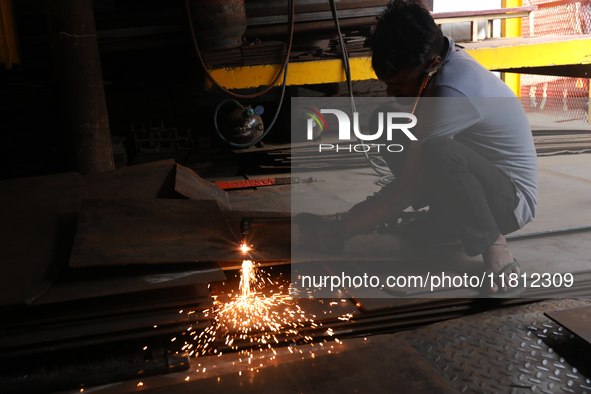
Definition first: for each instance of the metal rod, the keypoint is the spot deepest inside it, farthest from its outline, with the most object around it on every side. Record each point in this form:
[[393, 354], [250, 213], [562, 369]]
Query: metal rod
[[316, 16], [309, 27], [267, 221], [557, 231]]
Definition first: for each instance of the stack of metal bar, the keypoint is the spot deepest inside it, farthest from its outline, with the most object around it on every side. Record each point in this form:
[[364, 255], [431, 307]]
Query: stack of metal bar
[[553, 143], [268, 52], [300, 157], [355, 46]]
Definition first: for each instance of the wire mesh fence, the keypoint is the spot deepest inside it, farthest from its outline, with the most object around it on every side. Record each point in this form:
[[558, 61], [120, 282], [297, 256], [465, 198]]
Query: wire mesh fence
[[552, 99]]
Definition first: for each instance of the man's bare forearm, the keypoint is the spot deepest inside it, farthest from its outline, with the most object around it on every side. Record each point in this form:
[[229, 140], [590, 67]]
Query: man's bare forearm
[[393, 199]]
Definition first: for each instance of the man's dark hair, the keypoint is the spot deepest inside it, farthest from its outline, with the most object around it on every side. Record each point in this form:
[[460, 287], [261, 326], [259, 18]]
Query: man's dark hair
[[406, 36]]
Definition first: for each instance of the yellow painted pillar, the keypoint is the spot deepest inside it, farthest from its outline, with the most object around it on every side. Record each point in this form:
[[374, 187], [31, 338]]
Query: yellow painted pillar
[[512, 28]]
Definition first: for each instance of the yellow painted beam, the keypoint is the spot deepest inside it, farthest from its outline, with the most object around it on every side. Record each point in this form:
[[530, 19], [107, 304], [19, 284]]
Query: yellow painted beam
[[494, 54], [534, 52], [305, 73]]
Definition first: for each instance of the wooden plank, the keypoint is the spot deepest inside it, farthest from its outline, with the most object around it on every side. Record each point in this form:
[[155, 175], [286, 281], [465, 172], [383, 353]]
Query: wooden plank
[[120, 232], [146, 181], [37, 227], [190, 185]]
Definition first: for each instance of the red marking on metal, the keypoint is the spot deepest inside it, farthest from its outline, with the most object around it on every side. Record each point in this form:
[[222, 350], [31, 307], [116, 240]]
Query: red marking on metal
[[246, 183]]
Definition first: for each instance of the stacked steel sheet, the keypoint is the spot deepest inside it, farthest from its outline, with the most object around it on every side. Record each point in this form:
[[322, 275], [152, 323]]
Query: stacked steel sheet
[[92, 261]]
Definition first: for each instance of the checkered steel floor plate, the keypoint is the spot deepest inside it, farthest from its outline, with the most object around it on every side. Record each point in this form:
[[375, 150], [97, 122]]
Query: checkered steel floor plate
[[521, 352]]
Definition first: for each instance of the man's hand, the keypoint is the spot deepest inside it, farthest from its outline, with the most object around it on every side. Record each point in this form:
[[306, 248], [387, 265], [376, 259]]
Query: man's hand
[[329, 235], [319, 233]]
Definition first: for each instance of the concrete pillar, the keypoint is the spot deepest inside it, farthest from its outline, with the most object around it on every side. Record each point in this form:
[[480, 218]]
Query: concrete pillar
[[79, 81]]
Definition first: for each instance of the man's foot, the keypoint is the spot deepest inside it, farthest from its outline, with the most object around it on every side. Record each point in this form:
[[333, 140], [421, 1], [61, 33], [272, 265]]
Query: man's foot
[[496, 257]]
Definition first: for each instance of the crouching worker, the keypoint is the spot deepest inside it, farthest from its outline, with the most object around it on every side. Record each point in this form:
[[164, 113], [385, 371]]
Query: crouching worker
[[474, 162]]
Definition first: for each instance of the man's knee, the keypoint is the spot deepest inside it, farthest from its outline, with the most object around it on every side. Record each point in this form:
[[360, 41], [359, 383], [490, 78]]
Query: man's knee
[[438, 146]]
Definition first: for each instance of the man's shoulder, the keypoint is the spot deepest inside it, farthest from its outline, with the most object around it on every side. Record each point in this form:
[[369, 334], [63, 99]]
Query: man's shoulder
[[462, 73]]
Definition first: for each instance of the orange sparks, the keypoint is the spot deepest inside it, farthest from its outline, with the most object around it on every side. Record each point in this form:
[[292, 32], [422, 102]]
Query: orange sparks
[[247, 277], [251, 317], [257, 319], [245, 248]]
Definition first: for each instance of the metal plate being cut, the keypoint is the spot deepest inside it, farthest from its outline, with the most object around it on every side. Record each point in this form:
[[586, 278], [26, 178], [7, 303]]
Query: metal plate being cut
[[119, 232]]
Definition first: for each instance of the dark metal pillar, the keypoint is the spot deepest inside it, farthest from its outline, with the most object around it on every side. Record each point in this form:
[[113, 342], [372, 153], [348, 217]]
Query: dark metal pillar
[[79, 80]]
